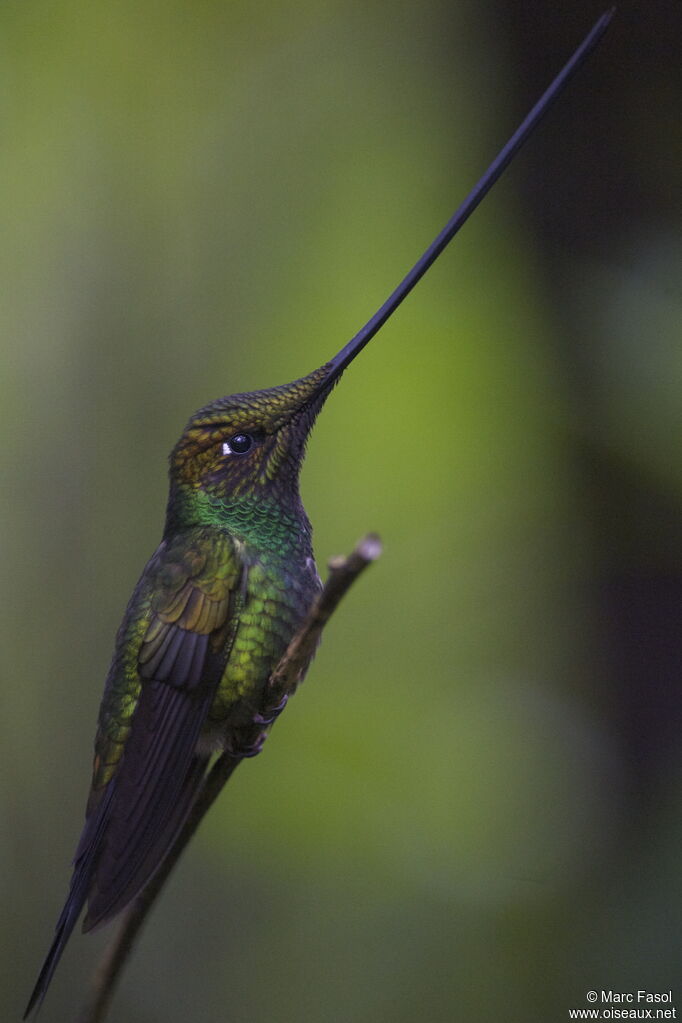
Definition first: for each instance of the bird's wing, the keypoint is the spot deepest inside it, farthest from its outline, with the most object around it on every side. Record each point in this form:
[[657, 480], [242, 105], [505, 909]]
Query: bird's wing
[[195, 589], [170, 654]]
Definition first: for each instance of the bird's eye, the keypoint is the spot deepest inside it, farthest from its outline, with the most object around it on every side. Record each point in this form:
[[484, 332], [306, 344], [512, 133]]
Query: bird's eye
[[238, 445]]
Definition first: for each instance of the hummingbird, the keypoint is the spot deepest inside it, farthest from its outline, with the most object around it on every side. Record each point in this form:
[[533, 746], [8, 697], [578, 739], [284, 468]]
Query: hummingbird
[[216, 606]]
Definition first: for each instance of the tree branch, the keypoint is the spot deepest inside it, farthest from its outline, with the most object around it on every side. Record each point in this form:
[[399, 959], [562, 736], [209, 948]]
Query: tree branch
[[343, 571]]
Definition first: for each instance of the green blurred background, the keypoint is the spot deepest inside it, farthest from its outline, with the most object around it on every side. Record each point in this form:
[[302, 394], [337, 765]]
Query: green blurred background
[[472, 809]]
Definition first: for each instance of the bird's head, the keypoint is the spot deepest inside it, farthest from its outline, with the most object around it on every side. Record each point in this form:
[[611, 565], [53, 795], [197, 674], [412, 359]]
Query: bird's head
[[250, 444]]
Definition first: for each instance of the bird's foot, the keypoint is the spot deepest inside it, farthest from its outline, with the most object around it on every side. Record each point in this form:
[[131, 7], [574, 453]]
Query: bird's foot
[[240, 749], [251, 749], [271, 714]]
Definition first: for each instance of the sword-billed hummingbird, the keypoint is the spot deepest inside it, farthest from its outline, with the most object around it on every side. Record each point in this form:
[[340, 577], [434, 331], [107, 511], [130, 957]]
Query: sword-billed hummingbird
[[216, 606]]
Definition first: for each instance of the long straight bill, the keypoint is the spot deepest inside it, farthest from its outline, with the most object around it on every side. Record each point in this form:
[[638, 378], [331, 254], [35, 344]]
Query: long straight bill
[[496, 168]]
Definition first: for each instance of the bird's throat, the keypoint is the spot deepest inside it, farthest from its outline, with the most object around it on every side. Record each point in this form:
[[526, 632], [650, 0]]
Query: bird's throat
[[262, 521]]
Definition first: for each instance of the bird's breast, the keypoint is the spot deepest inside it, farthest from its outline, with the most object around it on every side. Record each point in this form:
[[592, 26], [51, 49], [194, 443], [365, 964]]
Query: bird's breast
[[274, 599]]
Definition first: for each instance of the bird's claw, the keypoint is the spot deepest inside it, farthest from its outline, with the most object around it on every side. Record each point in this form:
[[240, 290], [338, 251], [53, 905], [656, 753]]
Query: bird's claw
[[265, 720], [251, 749], [272, 713]]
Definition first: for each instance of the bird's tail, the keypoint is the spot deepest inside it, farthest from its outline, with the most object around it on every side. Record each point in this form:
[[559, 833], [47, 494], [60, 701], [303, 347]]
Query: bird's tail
[[84, 864], [91, 866], [66, 924]]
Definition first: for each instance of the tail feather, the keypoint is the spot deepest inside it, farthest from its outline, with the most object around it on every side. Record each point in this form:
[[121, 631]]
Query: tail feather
[[132, 827], [67, 922], [78, 893], [92, 866]]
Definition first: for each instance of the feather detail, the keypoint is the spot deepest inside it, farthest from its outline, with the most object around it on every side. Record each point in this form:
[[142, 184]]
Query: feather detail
[[152, 795]]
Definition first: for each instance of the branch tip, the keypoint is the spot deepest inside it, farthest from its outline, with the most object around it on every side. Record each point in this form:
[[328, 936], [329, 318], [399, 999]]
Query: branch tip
[[370, 547]]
